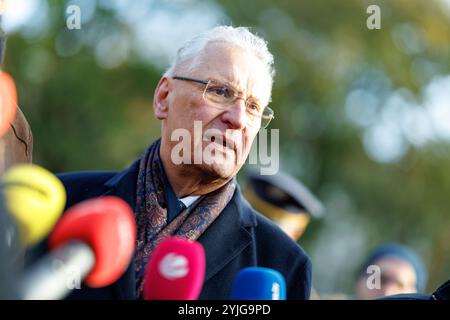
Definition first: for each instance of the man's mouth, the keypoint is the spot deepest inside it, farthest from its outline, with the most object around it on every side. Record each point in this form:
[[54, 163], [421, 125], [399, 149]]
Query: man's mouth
[[226, 143]]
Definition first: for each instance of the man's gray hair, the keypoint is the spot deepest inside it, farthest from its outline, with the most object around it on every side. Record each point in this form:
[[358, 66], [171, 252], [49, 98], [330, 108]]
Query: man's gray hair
[[241, 36]]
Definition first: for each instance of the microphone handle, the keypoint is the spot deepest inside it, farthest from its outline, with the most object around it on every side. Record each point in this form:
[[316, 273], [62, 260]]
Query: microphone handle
[[58, 273]]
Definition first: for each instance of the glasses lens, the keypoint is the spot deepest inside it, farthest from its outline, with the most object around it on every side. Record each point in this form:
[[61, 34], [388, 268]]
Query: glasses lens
[[267, 116], [219, 94], [222, 96]]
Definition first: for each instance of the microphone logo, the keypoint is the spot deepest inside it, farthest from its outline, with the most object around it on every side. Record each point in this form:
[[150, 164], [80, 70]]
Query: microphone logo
[[174, 266], [275, 291]]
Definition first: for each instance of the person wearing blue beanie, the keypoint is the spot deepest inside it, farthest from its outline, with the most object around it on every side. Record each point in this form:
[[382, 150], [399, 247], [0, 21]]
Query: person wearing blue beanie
[[391, 269]]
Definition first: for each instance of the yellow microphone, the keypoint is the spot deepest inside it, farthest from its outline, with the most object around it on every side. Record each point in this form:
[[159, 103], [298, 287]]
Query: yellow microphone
[[35, 198]]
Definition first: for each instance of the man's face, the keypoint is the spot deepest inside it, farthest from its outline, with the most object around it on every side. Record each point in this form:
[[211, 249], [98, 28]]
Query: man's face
[[229, 65], [397, 277]]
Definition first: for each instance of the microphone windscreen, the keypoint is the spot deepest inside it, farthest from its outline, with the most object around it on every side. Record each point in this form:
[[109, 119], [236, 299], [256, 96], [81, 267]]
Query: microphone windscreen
[[257, 283], [176, 271], [35, 198], [107, 225]]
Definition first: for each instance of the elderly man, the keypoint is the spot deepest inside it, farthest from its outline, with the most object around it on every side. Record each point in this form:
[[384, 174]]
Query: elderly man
[[220, 82]]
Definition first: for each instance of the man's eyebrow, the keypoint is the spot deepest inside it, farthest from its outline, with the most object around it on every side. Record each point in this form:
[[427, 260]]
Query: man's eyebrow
[[226, 81], [233, 84]]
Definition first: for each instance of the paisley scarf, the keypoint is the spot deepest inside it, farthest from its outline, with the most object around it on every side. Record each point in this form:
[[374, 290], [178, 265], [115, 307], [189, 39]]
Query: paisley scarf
[[151, 212]]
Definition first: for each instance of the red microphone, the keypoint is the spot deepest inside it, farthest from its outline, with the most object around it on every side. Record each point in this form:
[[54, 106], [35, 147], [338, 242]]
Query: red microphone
[[176, 271], [94, 240]]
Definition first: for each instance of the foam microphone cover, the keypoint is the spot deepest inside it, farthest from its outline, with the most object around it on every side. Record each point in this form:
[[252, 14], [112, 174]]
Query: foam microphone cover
[[176, 271], [35, 198], [107, 225], [257, 283]]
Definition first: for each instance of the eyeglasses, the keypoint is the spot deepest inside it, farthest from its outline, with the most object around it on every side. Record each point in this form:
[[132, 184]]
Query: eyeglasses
[[222, 96]]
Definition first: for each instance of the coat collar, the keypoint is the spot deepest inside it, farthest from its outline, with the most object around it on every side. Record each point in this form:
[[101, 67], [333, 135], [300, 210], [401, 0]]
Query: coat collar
[[229, 229], [123, 185]]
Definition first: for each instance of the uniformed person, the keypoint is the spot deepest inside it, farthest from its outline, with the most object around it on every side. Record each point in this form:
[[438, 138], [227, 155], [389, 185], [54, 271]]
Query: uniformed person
[[283, 199], [286, 201]]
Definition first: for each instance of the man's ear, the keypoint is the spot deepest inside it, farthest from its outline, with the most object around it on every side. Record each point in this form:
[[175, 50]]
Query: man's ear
[[160, 99]]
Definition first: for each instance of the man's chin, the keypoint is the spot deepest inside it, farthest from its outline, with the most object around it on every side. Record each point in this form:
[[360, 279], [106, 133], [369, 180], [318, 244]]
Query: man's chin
[[220, 169]]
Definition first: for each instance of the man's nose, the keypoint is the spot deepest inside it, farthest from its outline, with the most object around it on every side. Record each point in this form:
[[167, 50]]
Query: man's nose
[[236, 114]]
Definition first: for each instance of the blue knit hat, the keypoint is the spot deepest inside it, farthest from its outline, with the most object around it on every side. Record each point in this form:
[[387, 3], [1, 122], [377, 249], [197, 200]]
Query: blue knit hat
[[405, 254]]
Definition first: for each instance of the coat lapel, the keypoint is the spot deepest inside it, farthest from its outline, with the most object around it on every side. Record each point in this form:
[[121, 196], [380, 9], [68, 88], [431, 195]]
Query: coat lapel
[[225, 238], [123, 185], [228, 236]]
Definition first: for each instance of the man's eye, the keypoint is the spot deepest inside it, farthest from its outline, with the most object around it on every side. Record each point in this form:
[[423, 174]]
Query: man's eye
[[223, 91], [254, 106]]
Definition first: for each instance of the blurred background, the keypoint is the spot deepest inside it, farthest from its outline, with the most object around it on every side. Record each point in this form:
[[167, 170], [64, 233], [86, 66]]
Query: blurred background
[[364, 115]]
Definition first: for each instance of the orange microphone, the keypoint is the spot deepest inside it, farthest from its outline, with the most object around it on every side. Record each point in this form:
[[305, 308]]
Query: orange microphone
[[8, 102], [8, 93]]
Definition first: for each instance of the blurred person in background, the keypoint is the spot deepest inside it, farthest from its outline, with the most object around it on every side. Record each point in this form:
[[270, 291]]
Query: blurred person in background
[[284, 200], [402, 271], [442, 293], [16, 144]]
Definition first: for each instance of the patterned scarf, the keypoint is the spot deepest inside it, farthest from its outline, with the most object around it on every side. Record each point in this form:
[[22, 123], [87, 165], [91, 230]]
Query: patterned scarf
[[151, 212]]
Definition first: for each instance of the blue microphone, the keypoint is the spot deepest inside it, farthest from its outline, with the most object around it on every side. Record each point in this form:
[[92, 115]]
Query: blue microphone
[[257, 283]]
